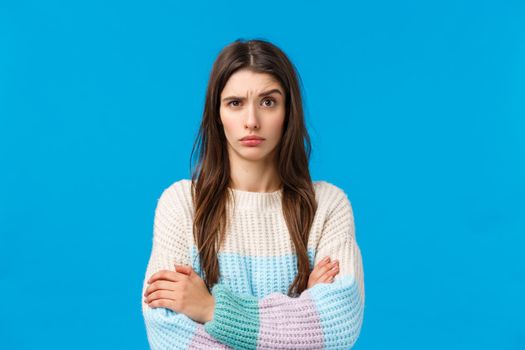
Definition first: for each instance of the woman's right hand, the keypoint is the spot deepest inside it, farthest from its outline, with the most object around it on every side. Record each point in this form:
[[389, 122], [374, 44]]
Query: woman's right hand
[[324, 272]]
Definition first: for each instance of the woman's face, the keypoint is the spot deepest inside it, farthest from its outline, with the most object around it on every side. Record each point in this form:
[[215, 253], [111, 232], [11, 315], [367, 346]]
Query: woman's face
[[252, 104]]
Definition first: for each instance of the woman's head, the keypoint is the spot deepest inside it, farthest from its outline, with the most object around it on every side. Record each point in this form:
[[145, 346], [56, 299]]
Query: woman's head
[[233, 109], [241, 68], [252, 104]]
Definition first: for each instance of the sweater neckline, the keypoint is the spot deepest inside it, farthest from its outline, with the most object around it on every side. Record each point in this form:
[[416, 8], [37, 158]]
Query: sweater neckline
[[257, 200]]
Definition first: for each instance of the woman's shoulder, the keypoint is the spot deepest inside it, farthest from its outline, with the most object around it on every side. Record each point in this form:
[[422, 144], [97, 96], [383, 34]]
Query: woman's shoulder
[[177, 196], [332, 199], [328, 192], [179, 185]]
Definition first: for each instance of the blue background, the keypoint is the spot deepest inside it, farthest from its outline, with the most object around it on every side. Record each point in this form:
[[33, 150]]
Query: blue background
[[415, 109]]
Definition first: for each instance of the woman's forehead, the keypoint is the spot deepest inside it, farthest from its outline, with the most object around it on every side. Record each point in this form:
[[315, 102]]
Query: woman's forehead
[[244, 81]]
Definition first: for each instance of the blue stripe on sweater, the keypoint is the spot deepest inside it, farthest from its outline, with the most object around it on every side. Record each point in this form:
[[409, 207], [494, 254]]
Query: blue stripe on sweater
[[255, 275], [339, 300], [168, 329]]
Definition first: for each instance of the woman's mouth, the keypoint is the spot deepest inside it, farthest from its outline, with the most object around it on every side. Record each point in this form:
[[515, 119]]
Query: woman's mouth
[[251, 143]]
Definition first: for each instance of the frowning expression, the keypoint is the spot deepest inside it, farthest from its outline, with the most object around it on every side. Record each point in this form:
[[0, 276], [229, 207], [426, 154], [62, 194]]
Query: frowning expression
[[252, 104]]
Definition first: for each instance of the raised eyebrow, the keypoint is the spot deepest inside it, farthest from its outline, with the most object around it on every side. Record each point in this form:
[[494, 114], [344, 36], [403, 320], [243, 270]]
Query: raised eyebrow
[[264, 93]]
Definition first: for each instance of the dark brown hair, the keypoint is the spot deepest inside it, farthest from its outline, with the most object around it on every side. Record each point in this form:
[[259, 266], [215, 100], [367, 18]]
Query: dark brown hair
[[211, 176]]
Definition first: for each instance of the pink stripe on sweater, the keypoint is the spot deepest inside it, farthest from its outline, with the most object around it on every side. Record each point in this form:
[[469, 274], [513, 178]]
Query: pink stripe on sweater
[[202, 340], [280, 329]]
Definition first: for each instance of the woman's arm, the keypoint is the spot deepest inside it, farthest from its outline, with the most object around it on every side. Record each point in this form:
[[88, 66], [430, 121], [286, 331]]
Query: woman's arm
[[167, 329], [327, 316]]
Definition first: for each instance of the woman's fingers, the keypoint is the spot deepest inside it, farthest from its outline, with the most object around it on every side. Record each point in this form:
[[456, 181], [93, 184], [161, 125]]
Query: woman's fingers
[[329, 275], [160, 284], [323, 262], [318, 269], [327, 267], [167, 275], [324, 272], [165, 303], [327, 278], [160, 294]]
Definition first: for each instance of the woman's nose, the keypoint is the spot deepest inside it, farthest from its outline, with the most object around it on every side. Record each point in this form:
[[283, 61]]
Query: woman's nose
[[251, 117]]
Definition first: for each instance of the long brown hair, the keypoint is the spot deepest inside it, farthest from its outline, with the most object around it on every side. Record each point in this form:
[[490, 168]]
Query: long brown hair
[[211, 176]]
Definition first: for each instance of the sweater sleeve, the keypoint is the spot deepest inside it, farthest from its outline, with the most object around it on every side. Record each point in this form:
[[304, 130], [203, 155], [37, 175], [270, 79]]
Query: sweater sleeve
[[326, 316], [165, 328]]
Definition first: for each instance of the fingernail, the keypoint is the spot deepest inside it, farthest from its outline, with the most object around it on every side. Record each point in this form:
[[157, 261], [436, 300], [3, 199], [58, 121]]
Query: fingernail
[[326, 259]]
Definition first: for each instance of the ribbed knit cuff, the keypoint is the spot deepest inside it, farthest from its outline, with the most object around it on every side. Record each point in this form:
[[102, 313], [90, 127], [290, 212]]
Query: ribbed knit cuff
[[235, 319]]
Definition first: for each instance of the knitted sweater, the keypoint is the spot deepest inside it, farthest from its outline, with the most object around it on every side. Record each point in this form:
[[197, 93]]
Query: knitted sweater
[[257, 264]]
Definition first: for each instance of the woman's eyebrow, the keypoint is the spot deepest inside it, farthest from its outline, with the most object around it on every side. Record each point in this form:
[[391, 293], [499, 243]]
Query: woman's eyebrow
[[264, 93]]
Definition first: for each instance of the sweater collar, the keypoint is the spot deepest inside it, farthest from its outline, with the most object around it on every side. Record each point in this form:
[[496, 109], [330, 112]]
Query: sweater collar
[[258, 201]]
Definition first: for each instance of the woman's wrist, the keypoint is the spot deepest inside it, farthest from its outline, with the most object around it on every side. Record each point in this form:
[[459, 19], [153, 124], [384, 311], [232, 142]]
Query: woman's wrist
[[210, 309]]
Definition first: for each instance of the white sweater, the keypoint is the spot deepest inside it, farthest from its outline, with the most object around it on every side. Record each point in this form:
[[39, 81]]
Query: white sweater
[[257, 264]]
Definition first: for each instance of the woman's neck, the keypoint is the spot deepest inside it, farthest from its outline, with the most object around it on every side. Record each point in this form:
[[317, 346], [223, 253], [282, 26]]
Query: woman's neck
[[254, 177]]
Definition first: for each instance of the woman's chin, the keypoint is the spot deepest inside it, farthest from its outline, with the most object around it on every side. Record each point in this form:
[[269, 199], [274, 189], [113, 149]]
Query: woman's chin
[[254, 155]]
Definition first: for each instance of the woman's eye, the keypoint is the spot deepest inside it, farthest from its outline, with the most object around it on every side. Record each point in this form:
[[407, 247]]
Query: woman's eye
[[271, 100], [235, 103]]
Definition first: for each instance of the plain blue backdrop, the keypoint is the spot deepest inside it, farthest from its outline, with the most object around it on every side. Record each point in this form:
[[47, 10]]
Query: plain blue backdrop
[[415, 109]]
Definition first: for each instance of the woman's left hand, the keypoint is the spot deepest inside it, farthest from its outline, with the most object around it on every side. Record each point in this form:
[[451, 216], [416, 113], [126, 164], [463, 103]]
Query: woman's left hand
[[182, 291]]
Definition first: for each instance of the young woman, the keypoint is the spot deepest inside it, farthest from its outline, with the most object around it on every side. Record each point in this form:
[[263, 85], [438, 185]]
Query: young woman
[[238, 251]]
